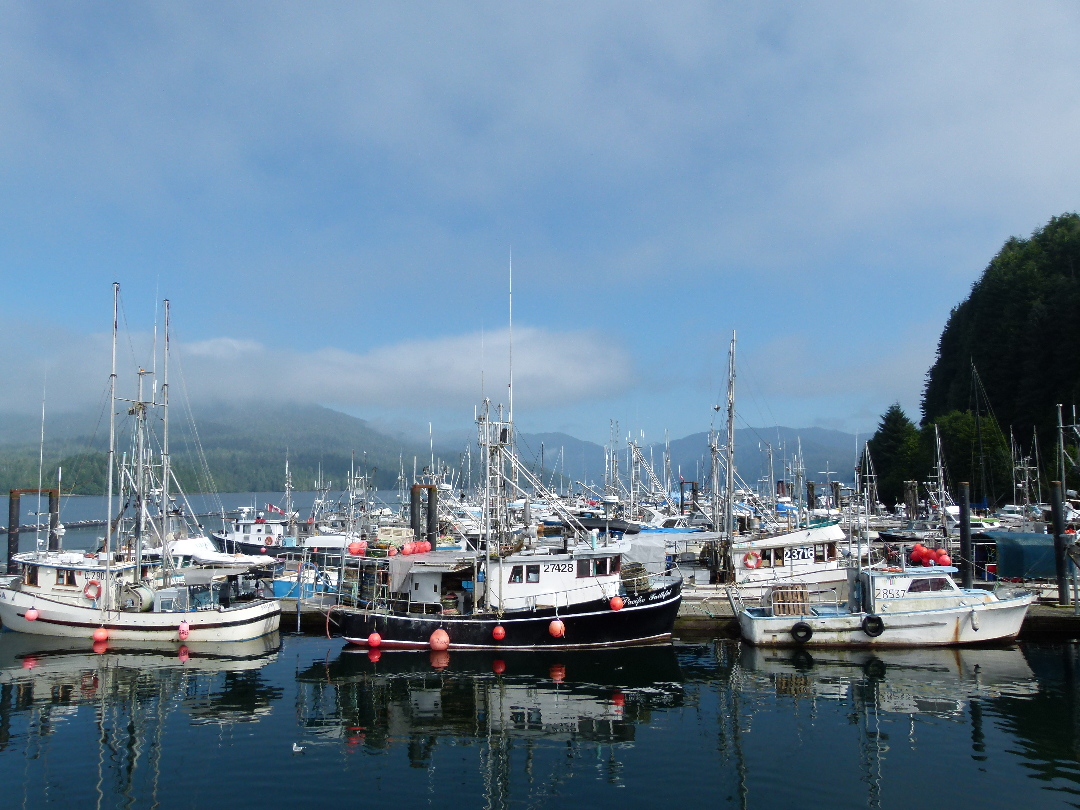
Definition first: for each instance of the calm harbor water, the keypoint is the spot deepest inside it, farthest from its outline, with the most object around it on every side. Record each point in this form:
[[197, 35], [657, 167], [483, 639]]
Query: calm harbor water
[[694, 724]]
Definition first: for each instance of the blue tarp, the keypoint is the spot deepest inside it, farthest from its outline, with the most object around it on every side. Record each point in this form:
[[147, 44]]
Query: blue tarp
[[1024, 555]]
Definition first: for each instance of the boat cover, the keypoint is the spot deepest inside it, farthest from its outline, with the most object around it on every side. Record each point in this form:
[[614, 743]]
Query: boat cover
[[647, 548], [1022, 555]]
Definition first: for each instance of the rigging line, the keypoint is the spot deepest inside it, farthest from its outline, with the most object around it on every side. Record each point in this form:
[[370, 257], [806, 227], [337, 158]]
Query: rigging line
[[754, 384], [127, 331], [195, 431]]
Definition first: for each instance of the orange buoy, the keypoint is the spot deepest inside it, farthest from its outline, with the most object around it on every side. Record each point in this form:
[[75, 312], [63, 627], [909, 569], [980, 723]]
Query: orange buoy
[[31, 615], [101, 634], [183, 654], [944, 559], [616, 603], [183, 630], [407, 549], [557, 628], [374, 655], [355, 549], [262, 550], [439, 640], [557, 673], [498, 632], [498, 666], [374, 640], [928, 561], [440, 659], [392, 551]]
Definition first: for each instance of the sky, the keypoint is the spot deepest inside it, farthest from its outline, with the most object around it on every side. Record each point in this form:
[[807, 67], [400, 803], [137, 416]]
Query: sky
[[334, 197]]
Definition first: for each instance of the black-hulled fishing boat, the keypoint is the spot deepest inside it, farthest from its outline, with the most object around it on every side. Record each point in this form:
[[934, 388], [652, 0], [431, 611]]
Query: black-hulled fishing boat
[[516, 591]]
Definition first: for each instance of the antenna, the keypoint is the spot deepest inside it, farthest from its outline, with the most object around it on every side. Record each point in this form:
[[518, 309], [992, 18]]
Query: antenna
[[511, 334]]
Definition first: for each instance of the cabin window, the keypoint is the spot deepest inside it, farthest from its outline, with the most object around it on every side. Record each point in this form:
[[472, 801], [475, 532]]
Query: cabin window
[[819, 553], [614, 565], [247, 528], [515, 574], [65, 576], [166, 604], [30, 575], [532, 573], [778, 556], [600, 567], [921, 586], [584, 568]]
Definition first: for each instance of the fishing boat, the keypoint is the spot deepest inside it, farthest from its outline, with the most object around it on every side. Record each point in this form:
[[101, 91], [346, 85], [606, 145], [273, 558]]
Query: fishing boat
[[897, 607], [133, 591], [517, 591]]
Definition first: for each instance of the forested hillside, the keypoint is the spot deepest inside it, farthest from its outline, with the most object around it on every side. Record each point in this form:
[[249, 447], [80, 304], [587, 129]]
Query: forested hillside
[[1007, 356]]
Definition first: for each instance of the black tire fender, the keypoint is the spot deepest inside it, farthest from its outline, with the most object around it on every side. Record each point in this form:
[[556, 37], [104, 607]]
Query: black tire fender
[[873, 626], [802, 632]]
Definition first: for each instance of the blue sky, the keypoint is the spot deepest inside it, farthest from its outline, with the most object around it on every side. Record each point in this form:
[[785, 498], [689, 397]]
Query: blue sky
[[329, 194]]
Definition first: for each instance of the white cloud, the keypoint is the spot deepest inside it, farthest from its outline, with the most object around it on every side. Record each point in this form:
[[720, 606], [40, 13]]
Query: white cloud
[[551, 369]]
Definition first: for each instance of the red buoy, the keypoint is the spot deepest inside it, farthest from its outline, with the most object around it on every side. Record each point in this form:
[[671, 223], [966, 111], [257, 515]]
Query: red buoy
[[355, 548], [392, 551], [31, 615], [374, 655], [101, 634], [407, 549], [183, 630], [374, 640], [498, 666], [916, 555], [262, 550], [616, 603], [557, 628], [944, 559], [928, 561], [439, 640], [498, 632]]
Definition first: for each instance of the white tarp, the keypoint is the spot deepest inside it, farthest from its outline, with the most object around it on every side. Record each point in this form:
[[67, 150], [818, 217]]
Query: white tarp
[[647, 548]]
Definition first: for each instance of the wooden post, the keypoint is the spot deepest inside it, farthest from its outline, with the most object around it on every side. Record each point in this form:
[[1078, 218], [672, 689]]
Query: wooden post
[[1058, 511], [967, 562], [13, 529]]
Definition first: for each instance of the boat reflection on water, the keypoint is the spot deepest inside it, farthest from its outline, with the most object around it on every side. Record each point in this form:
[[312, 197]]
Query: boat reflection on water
[[375, 698], [55, 676], [937, 681]]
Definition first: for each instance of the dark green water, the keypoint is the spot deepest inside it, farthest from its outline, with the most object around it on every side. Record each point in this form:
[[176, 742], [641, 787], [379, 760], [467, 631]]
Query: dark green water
[[694, 725]]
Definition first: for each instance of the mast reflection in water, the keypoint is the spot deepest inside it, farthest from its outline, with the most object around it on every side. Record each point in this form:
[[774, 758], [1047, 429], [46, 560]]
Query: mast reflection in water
[[694, 724]]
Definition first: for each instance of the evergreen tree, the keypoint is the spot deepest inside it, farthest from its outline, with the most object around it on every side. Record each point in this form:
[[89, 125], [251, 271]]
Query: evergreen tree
[[894, 450]]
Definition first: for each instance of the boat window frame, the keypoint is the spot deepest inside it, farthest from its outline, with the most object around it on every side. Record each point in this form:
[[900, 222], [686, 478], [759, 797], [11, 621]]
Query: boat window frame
[[30, 576], [517, 575], [65, 578], [532, 574]]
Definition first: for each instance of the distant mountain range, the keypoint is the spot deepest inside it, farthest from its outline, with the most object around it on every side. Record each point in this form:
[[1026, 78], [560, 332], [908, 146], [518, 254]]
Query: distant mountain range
[[245, 450]]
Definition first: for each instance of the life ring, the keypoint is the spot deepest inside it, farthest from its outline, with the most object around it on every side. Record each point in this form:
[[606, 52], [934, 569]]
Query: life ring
[[751, 559], [269, 539], [873, 626], [92, 590], [802, 632]]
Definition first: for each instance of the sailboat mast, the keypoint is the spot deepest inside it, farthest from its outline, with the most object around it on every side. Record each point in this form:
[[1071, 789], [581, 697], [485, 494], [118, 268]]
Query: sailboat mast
[[106, 602]]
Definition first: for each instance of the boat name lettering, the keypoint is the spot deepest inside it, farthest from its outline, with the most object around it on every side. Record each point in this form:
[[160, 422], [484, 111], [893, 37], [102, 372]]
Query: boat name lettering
[[563, 568], [799, 554], [890, 593]]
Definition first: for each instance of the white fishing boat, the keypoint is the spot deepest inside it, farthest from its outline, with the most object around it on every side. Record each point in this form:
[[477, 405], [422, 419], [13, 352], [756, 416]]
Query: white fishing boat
[[818, 556], [897, 607], [130, 593]]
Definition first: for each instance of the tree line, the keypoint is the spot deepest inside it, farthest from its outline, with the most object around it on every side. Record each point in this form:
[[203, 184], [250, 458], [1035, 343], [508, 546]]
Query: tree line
[[1008, 355]]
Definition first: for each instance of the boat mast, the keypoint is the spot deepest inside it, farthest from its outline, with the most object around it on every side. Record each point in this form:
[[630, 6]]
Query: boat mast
[[729, 461], [166, 462], [106, 602]]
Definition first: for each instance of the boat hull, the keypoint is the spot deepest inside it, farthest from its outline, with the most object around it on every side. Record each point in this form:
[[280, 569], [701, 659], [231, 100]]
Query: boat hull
[[646, 618], [968, 624], [239, 623]]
